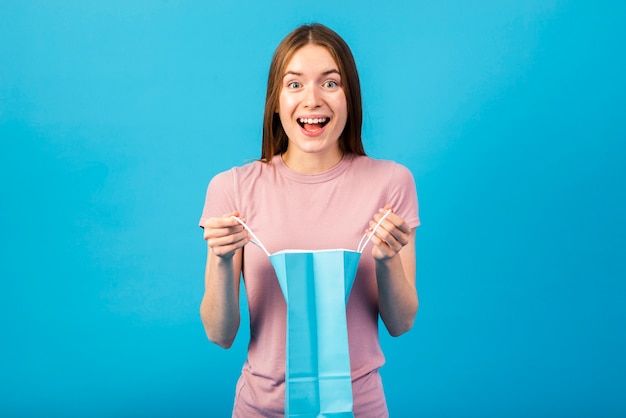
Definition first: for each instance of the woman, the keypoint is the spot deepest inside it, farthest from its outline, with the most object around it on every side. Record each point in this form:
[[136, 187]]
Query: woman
[[313, 188]]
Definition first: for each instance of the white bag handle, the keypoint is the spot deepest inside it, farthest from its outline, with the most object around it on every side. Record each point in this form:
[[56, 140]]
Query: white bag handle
[[367, 237], [360, 247], [254, 239]]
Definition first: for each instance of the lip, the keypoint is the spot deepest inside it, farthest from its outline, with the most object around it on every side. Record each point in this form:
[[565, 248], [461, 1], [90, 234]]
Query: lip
[[316, 132]]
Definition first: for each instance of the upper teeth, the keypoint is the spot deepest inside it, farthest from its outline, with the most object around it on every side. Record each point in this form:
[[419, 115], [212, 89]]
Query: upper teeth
[[312, 120]]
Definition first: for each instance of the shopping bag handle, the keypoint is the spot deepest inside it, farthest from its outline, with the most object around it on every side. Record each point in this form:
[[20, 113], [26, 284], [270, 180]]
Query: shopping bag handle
[[360, 247], [362, 244], [254, 238]]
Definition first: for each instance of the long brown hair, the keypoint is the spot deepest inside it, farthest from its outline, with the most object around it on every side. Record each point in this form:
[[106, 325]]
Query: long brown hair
[[275, 139]]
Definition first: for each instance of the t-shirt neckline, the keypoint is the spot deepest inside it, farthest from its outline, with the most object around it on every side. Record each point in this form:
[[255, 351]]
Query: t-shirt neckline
[[324, 176]]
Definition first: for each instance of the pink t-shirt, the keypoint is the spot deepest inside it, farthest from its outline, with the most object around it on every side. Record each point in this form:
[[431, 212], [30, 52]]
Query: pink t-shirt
[[289, 210]]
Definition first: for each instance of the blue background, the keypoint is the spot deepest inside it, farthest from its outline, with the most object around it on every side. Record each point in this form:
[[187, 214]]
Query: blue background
[[115, 115]]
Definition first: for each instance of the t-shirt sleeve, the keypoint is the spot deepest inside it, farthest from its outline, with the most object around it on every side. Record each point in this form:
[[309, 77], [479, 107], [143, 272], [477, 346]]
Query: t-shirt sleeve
[[220, 196], [403, 195]]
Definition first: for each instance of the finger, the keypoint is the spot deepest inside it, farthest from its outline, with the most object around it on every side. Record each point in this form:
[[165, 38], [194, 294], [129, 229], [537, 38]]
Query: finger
[[397, 231], [230, 249], [212, 231], [222, 227], [382, 248], [221, 236], [237, 239], [225, 221], [395, 219], [382, 226], [387, 232], [235, 214]]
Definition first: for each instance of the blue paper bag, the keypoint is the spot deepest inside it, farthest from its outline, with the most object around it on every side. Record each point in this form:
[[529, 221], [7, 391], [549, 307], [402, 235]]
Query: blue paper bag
[[316, 286]]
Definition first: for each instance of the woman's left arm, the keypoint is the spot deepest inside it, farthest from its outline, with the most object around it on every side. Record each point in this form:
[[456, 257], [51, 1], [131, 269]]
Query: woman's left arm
[[394, 255]]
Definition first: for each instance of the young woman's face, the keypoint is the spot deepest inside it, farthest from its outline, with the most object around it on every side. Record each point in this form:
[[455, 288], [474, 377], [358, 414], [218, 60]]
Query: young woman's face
[[312, 104]]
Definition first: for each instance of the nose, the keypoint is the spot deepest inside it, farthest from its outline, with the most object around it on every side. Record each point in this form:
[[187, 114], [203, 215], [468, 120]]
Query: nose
[[312, 97]]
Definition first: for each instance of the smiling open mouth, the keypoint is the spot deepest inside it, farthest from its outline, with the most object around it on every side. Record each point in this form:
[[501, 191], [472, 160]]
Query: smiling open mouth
[[312, 124]]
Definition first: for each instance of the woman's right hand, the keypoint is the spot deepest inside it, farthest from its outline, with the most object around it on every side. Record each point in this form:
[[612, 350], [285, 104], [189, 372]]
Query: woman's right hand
[[220, 304], [225, 235]]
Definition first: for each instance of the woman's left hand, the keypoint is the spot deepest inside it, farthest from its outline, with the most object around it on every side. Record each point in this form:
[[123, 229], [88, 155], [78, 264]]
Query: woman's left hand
[[390, 237]]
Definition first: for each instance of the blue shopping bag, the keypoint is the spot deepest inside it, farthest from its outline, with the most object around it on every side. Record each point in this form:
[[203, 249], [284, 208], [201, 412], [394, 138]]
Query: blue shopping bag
[[316, 286]]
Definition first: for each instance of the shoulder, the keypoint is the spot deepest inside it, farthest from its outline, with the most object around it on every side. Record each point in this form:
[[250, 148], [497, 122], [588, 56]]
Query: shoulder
[[235, 174], [389, 168]]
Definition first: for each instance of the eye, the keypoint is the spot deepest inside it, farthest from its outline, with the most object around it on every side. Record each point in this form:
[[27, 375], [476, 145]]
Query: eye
[[294, 85], [331, 84]]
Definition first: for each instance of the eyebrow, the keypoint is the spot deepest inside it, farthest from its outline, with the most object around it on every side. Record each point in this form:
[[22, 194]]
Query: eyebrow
[[325, 73]]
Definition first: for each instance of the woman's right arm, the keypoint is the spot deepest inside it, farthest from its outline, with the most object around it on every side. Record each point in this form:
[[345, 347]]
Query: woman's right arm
[[219, 309]]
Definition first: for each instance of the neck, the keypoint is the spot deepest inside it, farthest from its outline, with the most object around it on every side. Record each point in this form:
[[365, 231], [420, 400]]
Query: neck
[[311, 163]]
